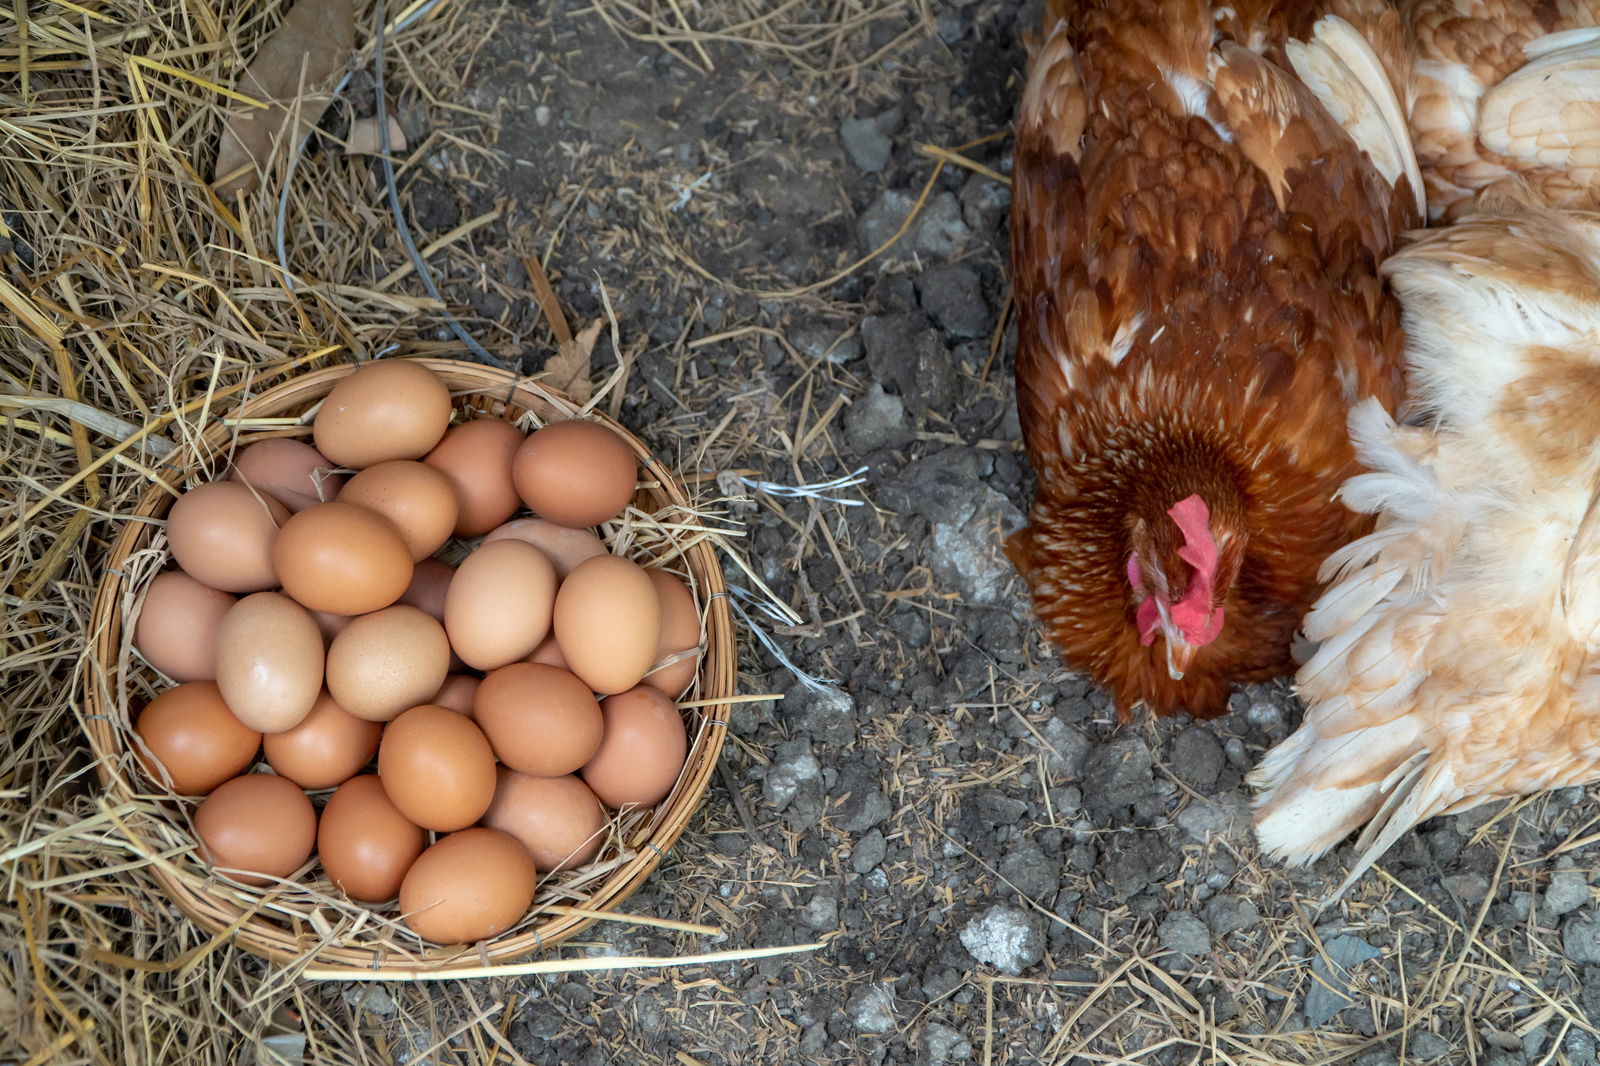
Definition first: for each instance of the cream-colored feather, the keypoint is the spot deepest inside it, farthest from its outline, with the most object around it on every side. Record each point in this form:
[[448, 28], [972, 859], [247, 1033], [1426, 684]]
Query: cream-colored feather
[[1458, 655]]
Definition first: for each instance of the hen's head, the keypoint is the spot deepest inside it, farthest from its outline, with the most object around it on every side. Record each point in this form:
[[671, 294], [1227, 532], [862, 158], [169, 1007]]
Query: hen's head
[[1181, 568]]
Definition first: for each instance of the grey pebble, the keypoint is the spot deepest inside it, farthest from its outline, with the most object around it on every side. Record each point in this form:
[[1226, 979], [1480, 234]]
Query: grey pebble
[[1580, 939], [872, 1009], [953, 296], [1119, 773], [1568, 890], [942, 1044], [1006, 937], [1227, 914], [1197, 757], [865, 143], [1426, 1046], [869, 852], [1185, 933], [877, 420]]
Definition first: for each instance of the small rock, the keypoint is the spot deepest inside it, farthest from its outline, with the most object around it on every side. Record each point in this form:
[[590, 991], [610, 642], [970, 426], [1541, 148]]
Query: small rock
[[910, 360], [1119, 773], [1520, 905], [1533, 1040], [1227, 914], [940, 230], [370, 996], [828, 714], [1197, 758], [872, 1009], [1580, 939], [863, 810], [869, 852], [1227, 817], [1238, 757], [1027, 869], [1006, 937], [984, 203], [815, 340], [821, 912], [1327, 995], [794, 766], [997, 808], [877, 420], [865, 143], [880, 221], [953, 295], [1184, 933], [1426, 1046], [942, 1044], [1580, 1046], [1467, 887], [969, 554], [1265, 716], [793, 784], [1068, 748], [1568, 891]]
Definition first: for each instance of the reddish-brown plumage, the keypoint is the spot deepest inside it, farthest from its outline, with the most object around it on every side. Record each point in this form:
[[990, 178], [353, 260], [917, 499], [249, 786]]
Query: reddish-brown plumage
[[1195, 247]]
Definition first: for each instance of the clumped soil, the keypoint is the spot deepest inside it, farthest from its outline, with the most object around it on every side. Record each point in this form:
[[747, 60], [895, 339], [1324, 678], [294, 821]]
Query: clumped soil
[[995, 869]]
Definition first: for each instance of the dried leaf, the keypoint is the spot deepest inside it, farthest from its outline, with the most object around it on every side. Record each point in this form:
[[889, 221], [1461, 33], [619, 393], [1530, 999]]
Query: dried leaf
[[293, 73], [363, 138], [568, 369]]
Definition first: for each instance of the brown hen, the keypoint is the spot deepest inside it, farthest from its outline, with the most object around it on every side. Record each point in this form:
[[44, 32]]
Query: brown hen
[[1195, 245], [1506, 90]]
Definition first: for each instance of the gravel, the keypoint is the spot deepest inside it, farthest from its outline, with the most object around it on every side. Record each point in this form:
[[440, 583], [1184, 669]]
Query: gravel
[[1184, 933], [1568, 890], [865, 143], [872, 1009], [1006, 937]]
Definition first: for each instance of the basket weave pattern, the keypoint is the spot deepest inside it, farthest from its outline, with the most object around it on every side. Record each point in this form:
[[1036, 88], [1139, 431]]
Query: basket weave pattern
[[308, 919]]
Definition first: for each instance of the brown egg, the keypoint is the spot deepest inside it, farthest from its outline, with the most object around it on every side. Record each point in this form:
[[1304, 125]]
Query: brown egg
[[549, 653], [476, 457], [327, 748], [566, 547], [469, 886], [539, 720], [222, 535], [558, 819], [457, 693], [680, 633], [419, 500], [260, 823], [643, 751], [269, 661], [607, 620], [290, 471], [194, 738], [437, 768], [177, 627], [387, 662], [575, 473], [365, 844], [430, 580], [499, 603], [389, 409], [343, 559]]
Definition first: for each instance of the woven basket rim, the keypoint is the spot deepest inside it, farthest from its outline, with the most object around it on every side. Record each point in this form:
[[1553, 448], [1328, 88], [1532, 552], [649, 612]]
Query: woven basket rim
[[273, 926]]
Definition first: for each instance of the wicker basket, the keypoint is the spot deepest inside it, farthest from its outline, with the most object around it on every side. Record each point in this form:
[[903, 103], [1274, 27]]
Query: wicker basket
[[308, 920]]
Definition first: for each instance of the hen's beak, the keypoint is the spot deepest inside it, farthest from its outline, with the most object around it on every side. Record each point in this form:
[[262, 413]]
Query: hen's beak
[[1179, 655]]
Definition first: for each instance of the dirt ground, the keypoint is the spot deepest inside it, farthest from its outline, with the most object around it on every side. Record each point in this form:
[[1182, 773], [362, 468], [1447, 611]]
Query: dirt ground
[[993, 869]]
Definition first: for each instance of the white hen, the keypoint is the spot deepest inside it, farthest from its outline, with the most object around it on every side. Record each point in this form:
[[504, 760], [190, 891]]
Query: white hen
[[1459, 656]]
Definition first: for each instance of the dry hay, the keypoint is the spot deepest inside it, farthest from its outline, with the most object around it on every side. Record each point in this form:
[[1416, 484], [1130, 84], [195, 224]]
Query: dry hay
[[138, 305]]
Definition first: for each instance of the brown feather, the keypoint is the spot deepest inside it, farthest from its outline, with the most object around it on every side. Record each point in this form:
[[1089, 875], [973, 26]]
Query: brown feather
[[1198, 308]]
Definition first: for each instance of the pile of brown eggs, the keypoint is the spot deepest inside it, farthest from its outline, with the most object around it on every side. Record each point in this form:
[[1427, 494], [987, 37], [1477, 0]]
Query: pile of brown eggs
[[508, 700]]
